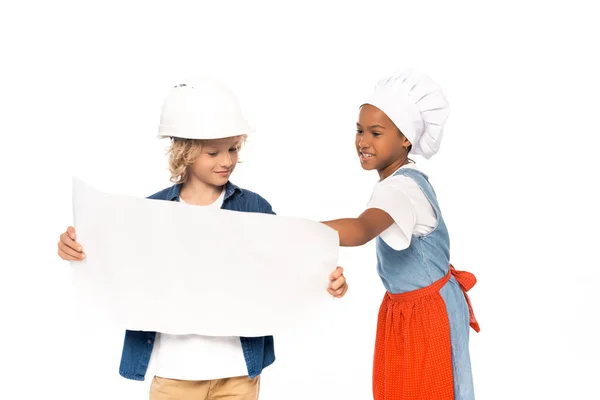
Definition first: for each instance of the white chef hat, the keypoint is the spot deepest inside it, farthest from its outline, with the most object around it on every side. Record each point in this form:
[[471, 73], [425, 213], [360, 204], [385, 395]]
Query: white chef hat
[[416, 105]]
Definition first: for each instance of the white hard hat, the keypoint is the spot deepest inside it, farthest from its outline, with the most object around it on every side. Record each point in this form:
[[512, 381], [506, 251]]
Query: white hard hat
[[202, 108]]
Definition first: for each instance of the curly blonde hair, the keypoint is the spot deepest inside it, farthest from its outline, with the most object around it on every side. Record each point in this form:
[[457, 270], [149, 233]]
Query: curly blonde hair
[[183, 152]]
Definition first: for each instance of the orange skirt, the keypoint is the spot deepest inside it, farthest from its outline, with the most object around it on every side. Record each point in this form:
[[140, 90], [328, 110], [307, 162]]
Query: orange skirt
[[413, 354]]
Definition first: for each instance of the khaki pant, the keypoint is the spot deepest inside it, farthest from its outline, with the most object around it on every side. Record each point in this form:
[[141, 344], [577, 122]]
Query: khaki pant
[[239, 388]]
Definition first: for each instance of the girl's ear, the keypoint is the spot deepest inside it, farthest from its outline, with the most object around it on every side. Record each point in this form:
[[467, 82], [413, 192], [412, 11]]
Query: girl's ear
[[405, 142]]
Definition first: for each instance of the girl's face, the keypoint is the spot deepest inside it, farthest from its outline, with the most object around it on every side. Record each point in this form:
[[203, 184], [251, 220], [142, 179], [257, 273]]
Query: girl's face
[[379, 143], [216, 161]]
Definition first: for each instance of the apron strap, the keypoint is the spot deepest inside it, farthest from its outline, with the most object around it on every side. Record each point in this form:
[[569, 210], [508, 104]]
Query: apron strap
[[466, 280]]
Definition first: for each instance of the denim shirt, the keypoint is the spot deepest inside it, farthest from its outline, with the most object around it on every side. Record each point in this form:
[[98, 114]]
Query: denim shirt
[[259, 352]]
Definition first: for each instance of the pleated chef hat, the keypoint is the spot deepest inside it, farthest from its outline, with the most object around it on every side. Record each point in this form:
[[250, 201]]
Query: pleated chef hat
[[416, 105]]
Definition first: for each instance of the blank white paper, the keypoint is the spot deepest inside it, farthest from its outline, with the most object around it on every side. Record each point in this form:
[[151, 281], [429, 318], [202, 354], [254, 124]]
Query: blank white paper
[[167, 267]]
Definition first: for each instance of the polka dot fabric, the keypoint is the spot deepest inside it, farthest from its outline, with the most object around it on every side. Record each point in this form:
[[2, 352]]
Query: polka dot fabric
[[413, 356]]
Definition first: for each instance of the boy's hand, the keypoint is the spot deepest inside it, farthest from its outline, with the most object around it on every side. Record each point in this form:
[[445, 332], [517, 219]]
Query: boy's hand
[[68, 248], [337, 283]]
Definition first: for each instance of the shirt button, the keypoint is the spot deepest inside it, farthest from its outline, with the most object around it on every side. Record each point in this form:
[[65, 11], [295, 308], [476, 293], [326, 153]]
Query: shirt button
[[149, 341]]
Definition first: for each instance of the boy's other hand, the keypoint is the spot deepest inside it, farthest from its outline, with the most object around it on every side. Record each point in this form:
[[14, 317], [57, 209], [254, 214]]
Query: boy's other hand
[[337, 283], [68, 248]]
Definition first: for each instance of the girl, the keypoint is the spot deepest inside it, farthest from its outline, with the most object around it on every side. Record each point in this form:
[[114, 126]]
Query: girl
[[204, 121], [421, 348]]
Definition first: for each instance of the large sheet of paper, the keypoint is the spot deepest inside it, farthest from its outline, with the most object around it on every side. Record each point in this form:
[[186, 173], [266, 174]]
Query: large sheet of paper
[[173, 268]]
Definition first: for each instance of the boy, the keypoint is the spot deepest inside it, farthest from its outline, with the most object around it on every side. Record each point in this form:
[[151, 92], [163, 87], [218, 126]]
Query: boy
[[204, 121]]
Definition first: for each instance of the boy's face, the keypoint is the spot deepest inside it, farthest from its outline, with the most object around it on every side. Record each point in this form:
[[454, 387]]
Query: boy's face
[[216, 161]]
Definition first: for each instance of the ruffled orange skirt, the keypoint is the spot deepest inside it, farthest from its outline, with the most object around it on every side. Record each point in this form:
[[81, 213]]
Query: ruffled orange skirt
[[413, 354]]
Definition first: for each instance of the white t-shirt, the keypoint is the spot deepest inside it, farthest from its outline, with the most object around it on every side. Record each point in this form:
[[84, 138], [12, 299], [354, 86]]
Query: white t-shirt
[[195, 357], [402, 198]]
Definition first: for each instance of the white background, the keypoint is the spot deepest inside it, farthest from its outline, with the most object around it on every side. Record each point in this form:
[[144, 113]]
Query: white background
[[81, 88]]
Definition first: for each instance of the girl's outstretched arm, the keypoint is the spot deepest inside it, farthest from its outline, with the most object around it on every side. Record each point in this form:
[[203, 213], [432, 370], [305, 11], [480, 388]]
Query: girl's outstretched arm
[[358, 231]]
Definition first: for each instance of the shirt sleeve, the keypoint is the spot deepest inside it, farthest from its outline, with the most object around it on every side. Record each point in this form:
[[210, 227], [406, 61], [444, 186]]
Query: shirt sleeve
[[390, 196], [264, 206]]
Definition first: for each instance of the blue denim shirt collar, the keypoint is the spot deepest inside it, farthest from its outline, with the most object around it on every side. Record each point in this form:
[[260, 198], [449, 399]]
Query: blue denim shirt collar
[[230, 189]]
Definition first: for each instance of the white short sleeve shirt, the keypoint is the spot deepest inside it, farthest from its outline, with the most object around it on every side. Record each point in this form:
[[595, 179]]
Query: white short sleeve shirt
[[402, 198]]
